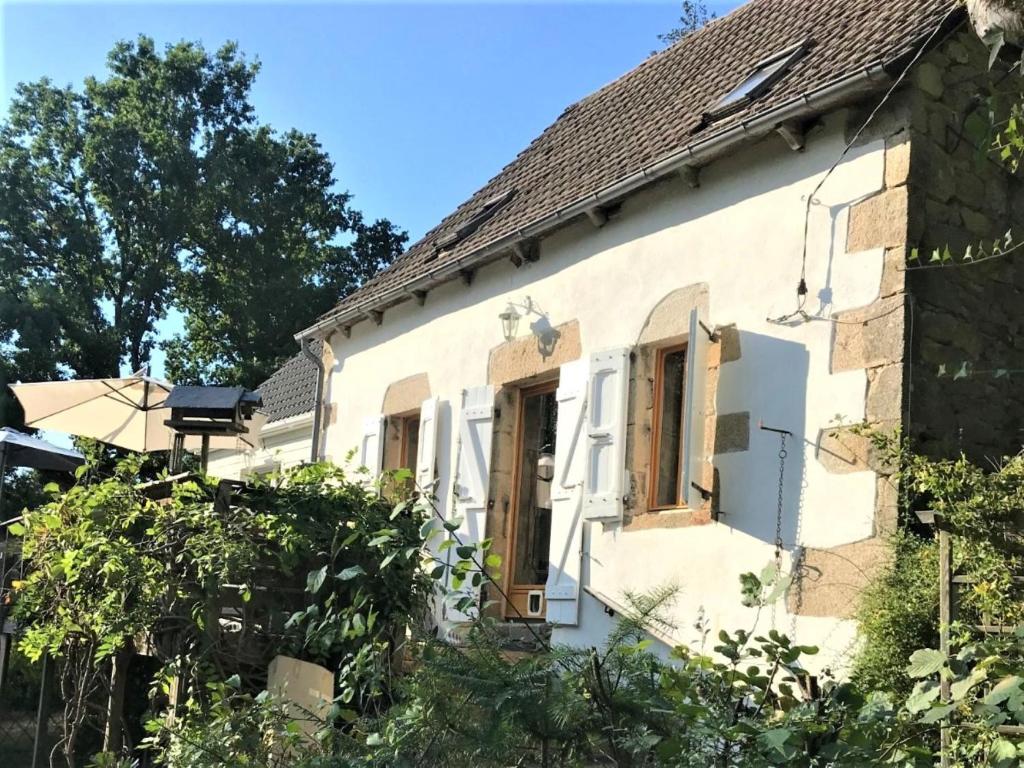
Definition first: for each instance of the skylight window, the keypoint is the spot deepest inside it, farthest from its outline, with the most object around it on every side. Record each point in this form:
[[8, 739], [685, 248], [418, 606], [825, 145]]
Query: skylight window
[[763, 77], [481, 215]]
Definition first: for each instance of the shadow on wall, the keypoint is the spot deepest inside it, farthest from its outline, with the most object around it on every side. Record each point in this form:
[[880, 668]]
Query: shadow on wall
[[546, 334], [769, 381]]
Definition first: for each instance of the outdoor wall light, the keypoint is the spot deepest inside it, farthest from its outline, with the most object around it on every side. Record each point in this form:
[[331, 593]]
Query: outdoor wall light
[[509, 322], [512, 314]]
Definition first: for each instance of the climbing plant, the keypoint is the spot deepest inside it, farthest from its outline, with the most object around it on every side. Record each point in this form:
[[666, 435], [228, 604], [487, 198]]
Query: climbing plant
[[211, 582]]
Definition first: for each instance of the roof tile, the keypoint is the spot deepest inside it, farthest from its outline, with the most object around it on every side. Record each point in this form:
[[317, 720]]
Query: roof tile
[[657, 108]]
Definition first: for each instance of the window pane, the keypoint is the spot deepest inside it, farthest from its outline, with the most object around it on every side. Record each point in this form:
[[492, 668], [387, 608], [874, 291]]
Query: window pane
[[412, 442], [671, 437], [533, 518]]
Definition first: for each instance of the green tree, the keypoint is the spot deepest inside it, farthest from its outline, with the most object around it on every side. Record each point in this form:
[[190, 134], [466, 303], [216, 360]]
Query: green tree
[[693, 15], [157, 187]]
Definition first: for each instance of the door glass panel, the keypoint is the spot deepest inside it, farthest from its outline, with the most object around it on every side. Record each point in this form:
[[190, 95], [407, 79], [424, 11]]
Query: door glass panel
[[671, 428], [411, 442], [410, 449], [533, 499]]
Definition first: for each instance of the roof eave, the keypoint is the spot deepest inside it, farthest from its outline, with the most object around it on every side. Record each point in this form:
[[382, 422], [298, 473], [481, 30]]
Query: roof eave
[[810, 103]]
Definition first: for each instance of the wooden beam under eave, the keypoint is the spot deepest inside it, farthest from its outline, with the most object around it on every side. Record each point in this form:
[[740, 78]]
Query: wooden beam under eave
[[597, 216], [420, 296], [377, 316], [346, 331], [467, 276], [691, 175], [526, 250], [793, 134]]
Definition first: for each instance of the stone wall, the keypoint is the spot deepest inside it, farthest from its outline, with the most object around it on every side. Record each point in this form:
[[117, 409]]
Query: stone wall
[[927, 324], [965, 321]]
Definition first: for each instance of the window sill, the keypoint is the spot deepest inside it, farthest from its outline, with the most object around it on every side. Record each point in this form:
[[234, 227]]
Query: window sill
[[669, 517]]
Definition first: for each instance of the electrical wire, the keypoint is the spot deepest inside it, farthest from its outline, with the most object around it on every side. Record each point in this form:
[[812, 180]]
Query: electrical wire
[[801, 289]]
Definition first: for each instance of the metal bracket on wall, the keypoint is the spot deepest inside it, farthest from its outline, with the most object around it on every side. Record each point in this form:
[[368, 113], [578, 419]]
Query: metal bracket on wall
[[776, 430]]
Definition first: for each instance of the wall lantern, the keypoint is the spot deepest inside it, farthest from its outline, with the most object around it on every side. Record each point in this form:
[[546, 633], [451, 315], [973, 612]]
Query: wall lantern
[[509, 322]]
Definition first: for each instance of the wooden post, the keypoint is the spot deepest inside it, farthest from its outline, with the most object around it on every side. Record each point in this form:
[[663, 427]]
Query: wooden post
[[5, 658], [945, 619], [177, 453], [112, 734], [39, 759], [205, 454]]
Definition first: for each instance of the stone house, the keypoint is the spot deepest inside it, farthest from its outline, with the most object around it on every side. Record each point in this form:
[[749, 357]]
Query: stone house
[[581, 358]]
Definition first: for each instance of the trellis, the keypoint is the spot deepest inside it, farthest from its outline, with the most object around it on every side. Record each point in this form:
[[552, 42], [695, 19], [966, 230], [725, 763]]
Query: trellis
[[949, 586]]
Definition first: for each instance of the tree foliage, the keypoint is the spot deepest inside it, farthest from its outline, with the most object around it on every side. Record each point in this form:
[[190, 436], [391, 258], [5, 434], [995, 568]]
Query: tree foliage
[[693, 15], [158, 188], [300, 563]]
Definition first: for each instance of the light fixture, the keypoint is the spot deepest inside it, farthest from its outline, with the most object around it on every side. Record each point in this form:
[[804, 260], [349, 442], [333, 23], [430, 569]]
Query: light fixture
[[509, 322]]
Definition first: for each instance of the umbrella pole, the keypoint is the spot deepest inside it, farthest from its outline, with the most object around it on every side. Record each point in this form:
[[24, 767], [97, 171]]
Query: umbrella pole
[[5, 640], [3, 475], [205, 455]]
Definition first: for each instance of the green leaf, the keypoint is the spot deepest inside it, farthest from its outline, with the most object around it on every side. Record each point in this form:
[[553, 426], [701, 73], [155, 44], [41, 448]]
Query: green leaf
[[1003, 750], [350, 573], [924, 693], [925, 661], [1004, 689], [776, 738], [234, 682], [960, 688], [935, 714], [16, 529], [315, 580]]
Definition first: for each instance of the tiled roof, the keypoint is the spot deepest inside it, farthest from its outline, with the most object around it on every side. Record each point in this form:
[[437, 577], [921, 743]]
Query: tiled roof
[[658, 108], [291, 389]]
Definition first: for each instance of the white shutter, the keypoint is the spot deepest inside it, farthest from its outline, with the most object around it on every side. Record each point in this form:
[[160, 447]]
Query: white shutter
[[371, 447], [476, 428], [605, 479], [426, 451], [563, 588], [693, 457]]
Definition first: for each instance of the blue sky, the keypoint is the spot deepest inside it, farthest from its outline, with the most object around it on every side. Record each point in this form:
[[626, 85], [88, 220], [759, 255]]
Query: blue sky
[[418, 104]]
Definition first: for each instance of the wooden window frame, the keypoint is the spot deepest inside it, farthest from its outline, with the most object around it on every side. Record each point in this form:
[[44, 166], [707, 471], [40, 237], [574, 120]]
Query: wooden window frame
[[656, 434], [403, 449]]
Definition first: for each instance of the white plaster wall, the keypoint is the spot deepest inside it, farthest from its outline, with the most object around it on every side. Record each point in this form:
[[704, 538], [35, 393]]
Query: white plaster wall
[[289, 447], [741, 232]]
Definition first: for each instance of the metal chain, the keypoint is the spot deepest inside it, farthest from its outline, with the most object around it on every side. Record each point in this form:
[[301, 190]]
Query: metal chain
[[778, 515]]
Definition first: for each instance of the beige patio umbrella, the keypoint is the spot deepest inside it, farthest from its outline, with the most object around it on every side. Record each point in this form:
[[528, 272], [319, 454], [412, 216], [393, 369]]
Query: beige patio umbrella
[[127, 412]]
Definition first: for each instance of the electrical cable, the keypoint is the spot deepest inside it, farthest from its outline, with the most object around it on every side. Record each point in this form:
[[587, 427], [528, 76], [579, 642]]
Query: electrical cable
[[801, 289]]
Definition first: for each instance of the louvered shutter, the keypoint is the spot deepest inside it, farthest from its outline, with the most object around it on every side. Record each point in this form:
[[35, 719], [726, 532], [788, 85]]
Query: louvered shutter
[[426, 451], [371, 447], [476, 427], [694, 411], [605, 478], [563, 587]]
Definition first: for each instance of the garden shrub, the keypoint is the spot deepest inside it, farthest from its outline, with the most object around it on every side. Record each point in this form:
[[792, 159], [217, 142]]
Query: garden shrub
[[897, 614]]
